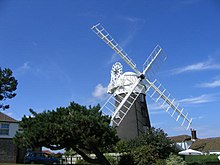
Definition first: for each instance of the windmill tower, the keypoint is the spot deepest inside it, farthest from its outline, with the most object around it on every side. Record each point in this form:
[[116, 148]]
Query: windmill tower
[[127, 104], [137, 119]]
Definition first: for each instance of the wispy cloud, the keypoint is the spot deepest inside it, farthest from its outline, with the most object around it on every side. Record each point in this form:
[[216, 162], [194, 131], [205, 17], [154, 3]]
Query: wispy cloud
[[135, 23], [25, 67], [207, 131], [155, 109], [47, 69], [133, 19], [200, 66], [205, 98], [113, 59], [199, 117], [100, 92], [214, 84]]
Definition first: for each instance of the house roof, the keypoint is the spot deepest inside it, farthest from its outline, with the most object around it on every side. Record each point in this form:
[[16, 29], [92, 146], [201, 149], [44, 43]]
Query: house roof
[[6, 118], [207, 144], [180, 138]]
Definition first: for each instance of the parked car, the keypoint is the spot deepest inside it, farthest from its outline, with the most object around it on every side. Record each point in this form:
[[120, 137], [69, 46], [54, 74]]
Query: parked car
[[40, 158]]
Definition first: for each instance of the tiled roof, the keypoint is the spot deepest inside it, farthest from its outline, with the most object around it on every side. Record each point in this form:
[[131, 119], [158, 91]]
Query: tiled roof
[[6, 118], [180, 138], [207, 144]]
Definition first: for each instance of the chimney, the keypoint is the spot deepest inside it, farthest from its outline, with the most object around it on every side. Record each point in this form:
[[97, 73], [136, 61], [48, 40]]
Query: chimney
[[193, 133]]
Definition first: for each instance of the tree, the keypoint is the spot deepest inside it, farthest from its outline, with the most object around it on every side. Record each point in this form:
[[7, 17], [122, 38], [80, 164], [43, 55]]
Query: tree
[[156, 138], [174, 159], [8, 84], [85, 130], [149, 148]]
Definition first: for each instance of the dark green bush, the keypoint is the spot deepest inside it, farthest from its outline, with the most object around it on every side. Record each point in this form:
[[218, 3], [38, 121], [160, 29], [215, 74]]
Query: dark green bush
[[126, 159], [113, 160], [201, 159]]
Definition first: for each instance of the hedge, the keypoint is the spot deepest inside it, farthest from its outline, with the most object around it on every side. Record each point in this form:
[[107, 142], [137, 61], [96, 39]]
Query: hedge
[[201, 159]]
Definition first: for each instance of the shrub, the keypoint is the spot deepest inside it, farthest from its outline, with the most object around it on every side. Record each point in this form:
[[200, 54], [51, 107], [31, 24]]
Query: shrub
[[112, 160], [201, 159], [126, 159], [174, 159], [145, 154]]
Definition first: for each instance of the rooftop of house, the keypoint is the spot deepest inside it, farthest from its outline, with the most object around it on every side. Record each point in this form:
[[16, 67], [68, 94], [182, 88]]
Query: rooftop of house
[[6, 118], [207, 144], [180, 138]]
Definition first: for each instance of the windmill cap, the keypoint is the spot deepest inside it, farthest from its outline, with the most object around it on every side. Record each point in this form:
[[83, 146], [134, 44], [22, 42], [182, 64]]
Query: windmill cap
[[124, 83]]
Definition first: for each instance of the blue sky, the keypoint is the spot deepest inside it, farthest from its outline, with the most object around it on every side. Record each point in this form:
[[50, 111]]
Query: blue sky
[[56, 58]]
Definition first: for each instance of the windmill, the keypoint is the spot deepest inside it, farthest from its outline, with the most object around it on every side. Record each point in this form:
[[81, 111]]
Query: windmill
[[127, 103]]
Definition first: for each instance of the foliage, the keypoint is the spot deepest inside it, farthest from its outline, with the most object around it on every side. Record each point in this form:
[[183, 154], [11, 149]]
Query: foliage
[[8, 84], [81, 161], [112, 159], [174, 159], [70, 152], [153, 147], [157, 139], [160, 162], [146, 154], [85, 130], [122, 146], [201, 159], [126, 159]]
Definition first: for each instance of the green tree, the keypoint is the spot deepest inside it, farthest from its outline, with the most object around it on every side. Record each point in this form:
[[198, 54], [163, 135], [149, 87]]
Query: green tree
[[146, 154], [155, 138], [121, 146], [151, 148], [174, 159], [85, 130], [8, 84]]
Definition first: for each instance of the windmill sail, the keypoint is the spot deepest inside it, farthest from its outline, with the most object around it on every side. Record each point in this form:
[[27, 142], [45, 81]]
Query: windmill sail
[[153, 62], [164, 99], [106, 37], [117, 106]]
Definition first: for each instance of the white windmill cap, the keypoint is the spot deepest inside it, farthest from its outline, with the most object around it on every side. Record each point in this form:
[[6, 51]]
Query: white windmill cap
[[123, 83]]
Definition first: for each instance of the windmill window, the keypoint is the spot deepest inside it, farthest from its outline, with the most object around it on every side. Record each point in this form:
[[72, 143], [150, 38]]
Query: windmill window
[[4, 129]]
